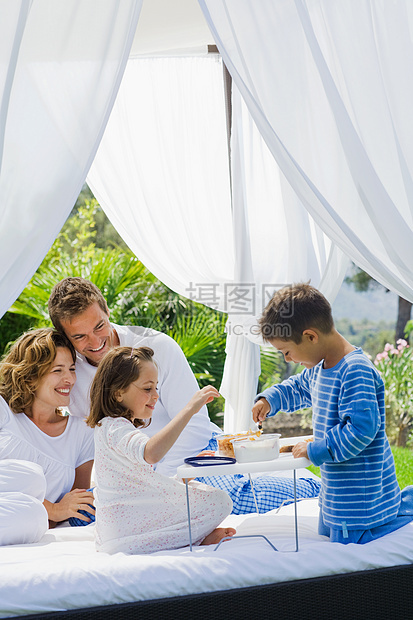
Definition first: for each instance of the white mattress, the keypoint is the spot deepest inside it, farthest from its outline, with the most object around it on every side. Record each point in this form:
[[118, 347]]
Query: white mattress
[[63, 571]]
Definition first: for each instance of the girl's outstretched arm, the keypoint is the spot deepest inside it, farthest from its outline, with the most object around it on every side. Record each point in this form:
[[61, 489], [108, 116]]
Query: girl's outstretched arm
[[158, 445]]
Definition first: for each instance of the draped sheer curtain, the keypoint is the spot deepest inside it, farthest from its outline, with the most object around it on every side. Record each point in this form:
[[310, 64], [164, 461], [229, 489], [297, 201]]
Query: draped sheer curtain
[[61, 63], [329, 85], [276, 243], [162, 174]]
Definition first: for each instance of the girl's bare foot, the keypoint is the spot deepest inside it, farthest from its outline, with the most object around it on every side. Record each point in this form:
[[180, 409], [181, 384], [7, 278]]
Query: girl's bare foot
[[218, 534]]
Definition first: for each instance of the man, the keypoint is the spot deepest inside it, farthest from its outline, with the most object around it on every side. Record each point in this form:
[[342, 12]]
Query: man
[[78, 308]]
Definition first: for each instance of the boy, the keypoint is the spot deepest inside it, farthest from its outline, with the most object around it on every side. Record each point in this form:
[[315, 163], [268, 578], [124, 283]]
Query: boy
[[360, 497]]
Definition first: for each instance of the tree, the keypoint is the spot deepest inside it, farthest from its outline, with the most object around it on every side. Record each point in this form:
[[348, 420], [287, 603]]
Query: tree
[[363, 282]]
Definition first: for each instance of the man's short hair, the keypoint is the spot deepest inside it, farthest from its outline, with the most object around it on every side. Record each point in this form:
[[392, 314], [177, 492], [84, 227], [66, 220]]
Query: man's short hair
[[292, 310], [73, 296]]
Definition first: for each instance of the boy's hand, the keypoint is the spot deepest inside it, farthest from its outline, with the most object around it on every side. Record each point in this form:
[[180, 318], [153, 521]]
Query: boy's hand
[[300, 449], [260, 410]]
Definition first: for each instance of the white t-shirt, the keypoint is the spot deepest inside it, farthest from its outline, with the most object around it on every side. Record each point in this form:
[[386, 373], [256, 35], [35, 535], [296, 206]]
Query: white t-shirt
[[58, 456], [176, 386]]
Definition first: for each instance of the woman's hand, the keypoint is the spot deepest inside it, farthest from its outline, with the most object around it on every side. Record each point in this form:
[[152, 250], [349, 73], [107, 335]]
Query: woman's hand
[[70, 505]]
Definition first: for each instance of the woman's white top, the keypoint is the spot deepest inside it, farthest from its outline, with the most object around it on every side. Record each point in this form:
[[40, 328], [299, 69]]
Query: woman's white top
[[58, 456]]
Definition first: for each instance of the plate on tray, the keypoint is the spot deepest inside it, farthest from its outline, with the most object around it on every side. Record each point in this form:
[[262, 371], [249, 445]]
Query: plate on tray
[[200, 461]]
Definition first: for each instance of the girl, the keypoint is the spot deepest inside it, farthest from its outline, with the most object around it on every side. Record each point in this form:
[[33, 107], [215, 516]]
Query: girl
[[139, 510], [36, 378]]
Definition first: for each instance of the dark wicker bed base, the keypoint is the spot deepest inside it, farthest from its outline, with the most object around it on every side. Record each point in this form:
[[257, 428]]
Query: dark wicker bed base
[[384, 593]]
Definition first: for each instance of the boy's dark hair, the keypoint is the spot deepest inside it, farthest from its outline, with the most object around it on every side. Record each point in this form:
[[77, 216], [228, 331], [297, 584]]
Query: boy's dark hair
[[73, 296], [292, 310], [118, 369]]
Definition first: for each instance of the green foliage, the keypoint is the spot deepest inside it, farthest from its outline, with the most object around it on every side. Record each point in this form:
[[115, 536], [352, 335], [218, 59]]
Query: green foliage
[[152, 304], [200, 332], [11, 327], [202, 338], [106, 236], [361, 280], [403, 460], [409, 330], [395, 364], [115, 272], [314, 469], [133, 294], [368, 335], [80, 230], [273, 368]]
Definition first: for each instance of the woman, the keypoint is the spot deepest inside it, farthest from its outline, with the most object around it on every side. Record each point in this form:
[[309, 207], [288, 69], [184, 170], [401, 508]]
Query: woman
[[36, 378]]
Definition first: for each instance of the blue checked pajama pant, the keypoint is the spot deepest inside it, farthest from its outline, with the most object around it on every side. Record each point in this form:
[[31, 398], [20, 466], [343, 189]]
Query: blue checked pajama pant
[[270, 491]]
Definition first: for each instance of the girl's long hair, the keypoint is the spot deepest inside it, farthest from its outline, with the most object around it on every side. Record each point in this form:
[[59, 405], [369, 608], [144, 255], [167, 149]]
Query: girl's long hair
[[118, 369]]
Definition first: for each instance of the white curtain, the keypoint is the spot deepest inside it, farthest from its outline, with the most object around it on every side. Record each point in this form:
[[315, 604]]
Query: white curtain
[[61, 63], [169, 27], [162, 175], [329, 84], [276, 243], [161, 172]]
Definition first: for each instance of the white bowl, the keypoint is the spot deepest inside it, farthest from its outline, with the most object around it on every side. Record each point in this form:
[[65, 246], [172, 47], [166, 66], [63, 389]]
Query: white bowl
[[225, 447], [252, 449]]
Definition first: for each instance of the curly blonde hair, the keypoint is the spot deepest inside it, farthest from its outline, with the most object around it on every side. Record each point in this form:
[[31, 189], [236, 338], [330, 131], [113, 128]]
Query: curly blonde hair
[[27, 362]]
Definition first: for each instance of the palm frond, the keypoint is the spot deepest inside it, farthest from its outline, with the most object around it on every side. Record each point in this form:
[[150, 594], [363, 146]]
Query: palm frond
[[115, 272], [201, 336], [272, 367]]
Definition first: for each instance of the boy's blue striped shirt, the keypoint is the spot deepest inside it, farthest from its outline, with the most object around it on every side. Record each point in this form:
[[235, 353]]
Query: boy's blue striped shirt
[[358, 478]]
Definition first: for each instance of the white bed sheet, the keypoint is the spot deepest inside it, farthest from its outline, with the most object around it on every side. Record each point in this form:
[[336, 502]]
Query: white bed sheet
[[63, 571]]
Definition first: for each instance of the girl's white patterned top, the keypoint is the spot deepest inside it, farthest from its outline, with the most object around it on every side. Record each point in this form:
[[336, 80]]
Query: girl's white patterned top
[[139, 510]]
